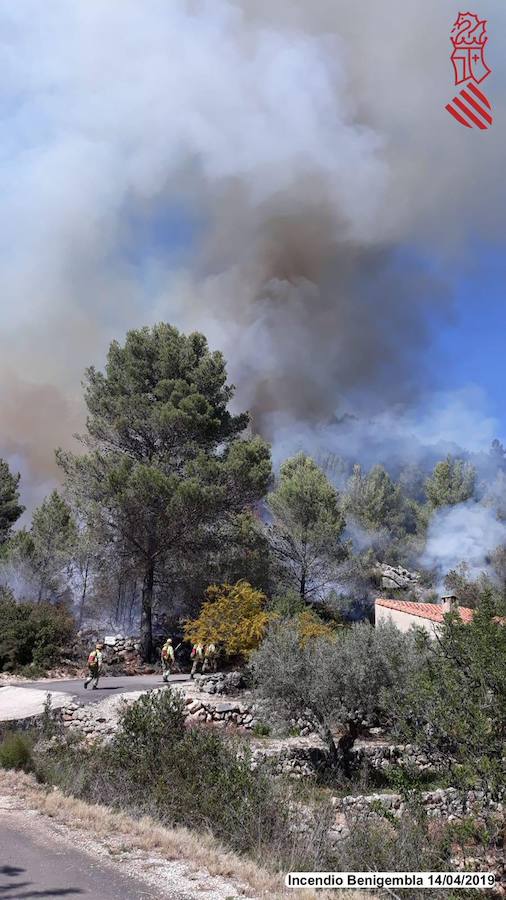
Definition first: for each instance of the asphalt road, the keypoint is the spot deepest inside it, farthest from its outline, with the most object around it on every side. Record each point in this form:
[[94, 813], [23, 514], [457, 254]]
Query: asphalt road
[[107, 686], [30, 868]]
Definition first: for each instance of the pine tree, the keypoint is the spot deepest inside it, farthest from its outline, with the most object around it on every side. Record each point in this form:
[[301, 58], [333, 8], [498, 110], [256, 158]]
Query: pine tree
[[165, 461], [305, 534], [10, 507]]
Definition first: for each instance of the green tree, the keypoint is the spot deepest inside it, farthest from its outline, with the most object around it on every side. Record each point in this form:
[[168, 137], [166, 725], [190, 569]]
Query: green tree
[[52, 539], [452, 481], [497, 454], [337, 681], [41, 557], [240, 551], [165, 462], [10, 508], [455, 707], [375, 501], [305, 535]]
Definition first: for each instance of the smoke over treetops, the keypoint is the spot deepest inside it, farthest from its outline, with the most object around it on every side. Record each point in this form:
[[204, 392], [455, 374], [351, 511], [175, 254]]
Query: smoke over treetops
[[271, 174]]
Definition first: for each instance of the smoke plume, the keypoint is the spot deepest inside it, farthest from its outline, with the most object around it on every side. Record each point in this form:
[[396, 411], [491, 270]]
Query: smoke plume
[[465, 533], [274, 174]]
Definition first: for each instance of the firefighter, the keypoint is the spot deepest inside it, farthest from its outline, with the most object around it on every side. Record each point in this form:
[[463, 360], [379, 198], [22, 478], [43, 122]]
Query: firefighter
[[197, 656], [210, 658], [168, 659], [94, 667]]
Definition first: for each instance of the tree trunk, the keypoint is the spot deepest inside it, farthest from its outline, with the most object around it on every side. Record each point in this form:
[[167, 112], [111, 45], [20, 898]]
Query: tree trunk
[[331, 744], [146, 614], [326, 736], [344, 748], [83, 595], [340, 753]]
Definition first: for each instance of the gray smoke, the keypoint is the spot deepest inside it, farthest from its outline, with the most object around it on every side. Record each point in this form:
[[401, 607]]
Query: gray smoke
[[304, 152]]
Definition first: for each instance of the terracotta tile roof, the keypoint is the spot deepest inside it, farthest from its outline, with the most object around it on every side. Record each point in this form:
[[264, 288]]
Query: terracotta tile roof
[[424, 610]]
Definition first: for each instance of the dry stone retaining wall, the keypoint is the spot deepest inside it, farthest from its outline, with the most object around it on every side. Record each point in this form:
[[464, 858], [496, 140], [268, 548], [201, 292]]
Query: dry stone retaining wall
[[100, 720], [295, 756], [232, 713], [449, 804]]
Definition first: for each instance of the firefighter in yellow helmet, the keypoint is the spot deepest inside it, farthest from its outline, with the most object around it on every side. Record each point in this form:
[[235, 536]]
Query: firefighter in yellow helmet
[[197, 656], [95, 660], [168, 659]]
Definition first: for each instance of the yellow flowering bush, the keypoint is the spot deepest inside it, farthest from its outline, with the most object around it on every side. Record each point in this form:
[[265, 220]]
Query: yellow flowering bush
[[233, 617]]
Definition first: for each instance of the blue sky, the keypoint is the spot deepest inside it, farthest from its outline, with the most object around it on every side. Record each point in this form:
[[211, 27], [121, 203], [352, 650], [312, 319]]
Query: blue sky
[[472, 348]]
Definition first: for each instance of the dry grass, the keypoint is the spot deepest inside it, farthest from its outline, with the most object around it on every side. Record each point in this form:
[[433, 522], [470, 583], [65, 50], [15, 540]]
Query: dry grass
[[198, 850]]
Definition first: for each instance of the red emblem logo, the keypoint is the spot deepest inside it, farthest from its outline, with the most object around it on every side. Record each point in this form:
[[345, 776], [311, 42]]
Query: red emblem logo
[[470, 107]]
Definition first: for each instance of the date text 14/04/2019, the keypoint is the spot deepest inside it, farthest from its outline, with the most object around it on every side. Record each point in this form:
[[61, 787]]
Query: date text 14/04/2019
[[390, 879]]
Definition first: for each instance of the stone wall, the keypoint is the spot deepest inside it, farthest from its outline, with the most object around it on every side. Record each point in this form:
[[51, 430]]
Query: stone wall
[[221, 682], [449, 804], [306, 755], [122, 655], [381, 755], [294, 757], [299, 756], [100, 720], [231, 713]]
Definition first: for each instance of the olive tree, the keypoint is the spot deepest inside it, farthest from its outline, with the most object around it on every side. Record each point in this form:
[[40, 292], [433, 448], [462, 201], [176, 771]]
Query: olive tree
[[338, 683]]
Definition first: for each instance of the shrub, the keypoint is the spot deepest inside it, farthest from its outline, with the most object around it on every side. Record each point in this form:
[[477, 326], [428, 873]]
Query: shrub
[[311, 627], [392, 845], [233, 617], [147, 727], [260, 729], [191, 777], [16, 751], [186, 776], [33, 634]]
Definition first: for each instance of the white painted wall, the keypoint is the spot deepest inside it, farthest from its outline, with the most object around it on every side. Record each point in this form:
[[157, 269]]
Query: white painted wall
[[403, 620]]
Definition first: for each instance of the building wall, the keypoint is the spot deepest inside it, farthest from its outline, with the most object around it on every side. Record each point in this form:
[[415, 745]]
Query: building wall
[[403, 620]]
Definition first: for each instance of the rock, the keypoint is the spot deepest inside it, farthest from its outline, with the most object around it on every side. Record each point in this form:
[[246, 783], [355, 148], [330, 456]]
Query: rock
[[227, 707], [397, 577]]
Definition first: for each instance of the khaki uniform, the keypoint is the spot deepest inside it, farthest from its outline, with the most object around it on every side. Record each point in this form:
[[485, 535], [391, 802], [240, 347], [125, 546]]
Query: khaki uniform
[[198, 659], [94, 668], [168, 659], [210, 659]]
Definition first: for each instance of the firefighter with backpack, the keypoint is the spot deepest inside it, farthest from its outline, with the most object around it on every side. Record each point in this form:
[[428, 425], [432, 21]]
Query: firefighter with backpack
[[210, 658], [168, 659], [95, 660], [197, 656]]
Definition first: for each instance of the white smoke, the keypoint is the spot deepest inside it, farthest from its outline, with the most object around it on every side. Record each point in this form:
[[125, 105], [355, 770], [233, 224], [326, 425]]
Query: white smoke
[[469, 533]]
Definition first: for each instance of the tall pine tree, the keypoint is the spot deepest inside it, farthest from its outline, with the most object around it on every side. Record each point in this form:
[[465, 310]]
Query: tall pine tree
[[165, 462]]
